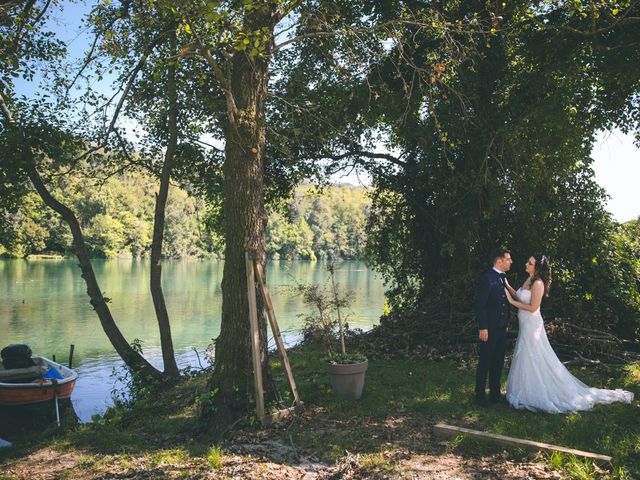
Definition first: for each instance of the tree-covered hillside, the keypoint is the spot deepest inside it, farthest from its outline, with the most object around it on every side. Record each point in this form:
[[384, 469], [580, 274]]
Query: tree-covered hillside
[[329, 223], [117, 219]]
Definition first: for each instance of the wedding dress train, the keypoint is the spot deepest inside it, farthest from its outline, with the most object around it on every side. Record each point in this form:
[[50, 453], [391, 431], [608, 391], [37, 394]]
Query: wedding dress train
[[537, 379]]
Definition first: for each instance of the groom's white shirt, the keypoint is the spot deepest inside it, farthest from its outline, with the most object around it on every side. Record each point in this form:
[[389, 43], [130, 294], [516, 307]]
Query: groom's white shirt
[[498, 270]]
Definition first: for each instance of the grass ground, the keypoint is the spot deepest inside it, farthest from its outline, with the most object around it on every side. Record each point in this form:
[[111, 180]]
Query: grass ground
[[386, 434], [404, 398]]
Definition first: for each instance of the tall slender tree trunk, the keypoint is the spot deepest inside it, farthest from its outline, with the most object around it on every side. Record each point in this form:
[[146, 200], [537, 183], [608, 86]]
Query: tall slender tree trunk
[[166, 342], [244, 225]]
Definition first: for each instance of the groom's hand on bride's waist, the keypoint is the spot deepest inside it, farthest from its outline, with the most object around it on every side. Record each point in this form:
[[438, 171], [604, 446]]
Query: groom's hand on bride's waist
[[484, 335]]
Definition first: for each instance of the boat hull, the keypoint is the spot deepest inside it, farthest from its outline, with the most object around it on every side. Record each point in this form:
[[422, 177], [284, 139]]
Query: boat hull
[[38, 394], [40, 390]]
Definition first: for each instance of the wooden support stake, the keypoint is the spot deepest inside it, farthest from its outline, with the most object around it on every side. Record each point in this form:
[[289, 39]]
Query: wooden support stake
[[451, 431], [71, 348], [271, 315], [255, 336]]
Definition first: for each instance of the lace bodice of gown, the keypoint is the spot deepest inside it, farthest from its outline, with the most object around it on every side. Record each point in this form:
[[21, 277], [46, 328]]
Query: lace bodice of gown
[[537, 378], [524, 296]]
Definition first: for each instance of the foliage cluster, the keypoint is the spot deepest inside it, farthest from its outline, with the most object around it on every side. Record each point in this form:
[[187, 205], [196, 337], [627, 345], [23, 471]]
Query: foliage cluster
[[325, 224], [493, 149], [116, 216], [476, 128]]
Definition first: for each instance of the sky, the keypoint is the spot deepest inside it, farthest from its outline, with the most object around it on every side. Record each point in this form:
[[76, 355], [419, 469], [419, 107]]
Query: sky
[[616, 158], [617, 170]]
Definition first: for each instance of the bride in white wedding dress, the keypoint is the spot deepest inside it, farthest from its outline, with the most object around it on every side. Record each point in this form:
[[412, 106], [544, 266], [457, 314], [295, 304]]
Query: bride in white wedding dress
[[537, 379]]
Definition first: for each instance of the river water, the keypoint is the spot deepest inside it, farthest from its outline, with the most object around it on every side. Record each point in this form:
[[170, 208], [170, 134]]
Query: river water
[[44, 304]]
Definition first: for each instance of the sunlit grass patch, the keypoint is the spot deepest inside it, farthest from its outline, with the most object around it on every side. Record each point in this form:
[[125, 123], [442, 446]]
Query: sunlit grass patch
[[334, 453], [574, 467], [174, 456], [378, 464], [214, 458], [126, 462], [631, 375], [504, 426], [439, 396]]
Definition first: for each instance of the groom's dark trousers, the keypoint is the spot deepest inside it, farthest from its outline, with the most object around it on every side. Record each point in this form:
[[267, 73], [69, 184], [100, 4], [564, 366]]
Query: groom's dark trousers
[[492, 313]]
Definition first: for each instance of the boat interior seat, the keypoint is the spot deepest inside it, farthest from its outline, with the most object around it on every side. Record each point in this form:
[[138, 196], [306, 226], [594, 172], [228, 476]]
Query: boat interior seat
[[34, 371]]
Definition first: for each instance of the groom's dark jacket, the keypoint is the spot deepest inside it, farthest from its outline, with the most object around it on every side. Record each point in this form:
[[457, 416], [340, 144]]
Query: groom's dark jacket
[[491, 304]]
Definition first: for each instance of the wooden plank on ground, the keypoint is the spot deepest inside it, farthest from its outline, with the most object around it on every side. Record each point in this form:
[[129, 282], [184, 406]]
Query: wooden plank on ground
[[255, 336], [271, 315], [451, 431]]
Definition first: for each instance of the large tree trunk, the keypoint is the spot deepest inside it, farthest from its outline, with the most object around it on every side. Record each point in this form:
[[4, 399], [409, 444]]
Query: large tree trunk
[[244, 225], [166, 342]]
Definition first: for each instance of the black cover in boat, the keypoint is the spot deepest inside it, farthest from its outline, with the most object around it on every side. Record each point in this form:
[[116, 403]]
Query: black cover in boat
[[17, 355]]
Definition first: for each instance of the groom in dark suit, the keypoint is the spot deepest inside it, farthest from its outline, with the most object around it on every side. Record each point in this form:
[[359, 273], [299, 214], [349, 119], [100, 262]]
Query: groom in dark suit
[[492, 314]]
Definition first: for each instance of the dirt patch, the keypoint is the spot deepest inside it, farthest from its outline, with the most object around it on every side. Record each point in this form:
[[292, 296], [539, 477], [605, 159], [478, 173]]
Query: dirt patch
[[46, 463], [268, 458], [449, 467]]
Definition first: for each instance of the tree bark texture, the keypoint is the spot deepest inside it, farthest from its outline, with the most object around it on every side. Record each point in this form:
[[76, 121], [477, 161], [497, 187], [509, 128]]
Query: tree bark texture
[[244, 225], [155, 277]]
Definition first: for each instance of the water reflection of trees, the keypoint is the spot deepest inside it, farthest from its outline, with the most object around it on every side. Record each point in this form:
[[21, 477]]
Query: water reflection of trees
[[56, 312]]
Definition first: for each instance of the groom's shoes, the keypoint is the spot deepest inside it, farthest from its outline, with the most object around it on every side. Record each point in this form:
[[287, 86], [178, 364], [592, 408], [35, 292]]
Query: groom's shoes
[[480, 401], [498, 398]]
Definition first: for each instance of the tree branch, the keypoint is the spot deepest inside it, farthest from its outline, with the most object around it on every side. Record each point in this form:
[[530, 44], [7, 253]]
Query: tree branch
[[89, 58], [206, 53], [362, 153], [305, 35], [26, 11], [41, 14], [218, 74], [132, 76], [5, 111]]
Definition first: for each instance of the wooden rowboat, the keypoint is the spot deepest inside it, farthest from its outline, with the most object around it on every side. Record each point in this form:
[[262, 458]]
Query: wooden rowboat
[[26, 386]]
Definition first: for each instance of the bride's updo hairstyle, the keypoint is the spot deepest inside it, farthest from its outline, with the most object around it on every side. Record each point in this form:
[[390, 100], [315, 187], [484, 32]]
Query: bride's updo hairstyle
[[543, 272]]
